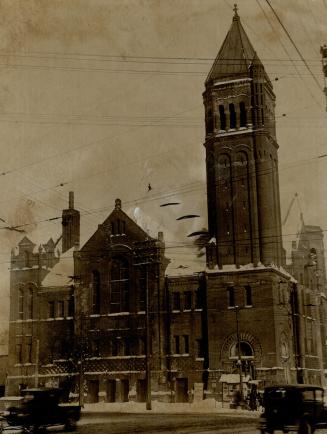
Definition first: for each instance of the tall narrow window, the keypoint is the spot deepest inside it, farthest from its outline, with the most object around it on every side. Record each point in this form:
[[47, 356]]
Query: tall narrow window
[[187, 300], [29, 303], [222, 118], [96, 287], [231, 296], [199, 348], [243, 119], [142, 288], [176, 345], [119, 286], [71, 307], [61, 309], [142, 344], [27, 258], [114, 347], [20, 304], [186, 344], [248, 295], [19, 353], [209, 122], [198, 299], [29, 354], [51, 309], [176, 301], [232, 116]]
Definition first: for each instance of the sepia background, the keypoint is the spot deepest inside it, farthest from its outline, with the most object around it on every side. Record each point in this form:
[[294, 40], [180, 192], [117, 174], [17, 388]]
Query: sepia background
[[103, 98]]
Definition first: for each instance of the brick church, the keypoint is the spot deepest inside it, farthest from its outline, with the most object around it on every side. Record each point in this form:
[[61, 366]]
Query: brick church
[[79, 316]]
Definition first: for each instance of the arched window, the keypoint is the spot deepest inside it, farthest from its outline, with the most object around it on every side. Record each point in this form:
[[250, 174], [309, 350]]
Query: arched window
[[96, 287], [222, 117], [20, 304], [209, 121], [246, 351], [232, 116], [29, 303], [119, 286], [243, 119]]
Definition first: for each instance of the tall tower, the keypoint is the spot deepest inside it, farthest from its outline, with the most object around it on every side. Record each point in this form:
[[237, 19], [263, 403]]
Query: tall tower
[[70, 225], [241, 156]]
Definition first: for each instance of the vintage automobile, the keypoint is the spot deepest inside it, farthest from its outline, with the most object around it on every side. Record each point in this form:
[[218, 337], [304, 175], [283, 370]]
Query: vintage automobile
[[293, 408], [41, 408]]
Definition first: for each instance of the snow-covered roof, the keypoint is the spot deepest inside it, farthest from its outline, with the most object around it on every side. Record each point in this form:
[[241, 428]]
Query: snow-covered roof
[[250, 266], [60, 274], [184, 261]]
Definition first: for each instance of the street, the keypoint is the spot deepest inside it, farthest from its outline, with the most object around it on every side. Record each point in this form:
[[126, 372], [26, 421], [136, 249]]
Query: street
[[115, 423], [166, 423]]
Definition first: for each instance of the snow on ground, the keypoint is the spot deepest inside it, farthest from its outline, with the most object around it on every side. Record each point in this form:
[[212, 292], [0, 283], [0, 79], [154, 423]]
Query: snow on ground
[[205, 406]]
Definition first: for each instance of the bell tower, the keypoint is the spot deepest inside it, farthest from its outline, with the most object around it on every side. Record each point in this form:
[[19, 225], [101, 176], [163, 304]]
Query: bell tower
[[241, 157]]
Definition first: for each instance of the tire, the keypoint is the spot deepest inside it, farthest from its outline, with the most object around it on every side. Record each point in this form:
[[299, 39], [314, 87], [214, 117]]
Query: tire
[[305, 427], [70, 424]]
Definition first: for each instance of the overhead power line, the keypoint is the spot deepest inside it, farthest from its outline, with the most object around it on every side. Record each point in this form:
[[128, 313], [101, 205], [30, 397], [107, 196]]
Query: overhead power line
[[295, 46]]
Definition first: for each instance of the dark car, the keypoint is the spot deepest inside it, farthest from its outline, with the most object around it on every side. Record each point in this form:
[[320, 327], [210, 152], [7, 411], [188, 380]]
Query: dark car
[[40, 408], [293, 408]]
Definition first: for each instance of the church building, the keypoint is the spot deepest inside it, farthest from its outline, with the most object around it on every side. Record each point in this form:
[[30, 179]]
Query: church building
[[121, 317]]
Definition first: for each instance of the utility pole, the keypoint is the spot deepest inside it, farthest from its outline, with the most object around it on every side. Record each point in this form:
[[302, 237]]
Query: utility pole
[[145, 256], [37, 356], [148, 341], [239, 354]]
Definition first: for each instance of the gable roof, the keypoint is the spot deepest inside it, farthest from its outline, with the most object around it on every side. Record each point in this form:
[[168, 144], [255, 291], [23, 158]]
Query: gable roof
[[132, 232], [26, 242], [236, 54]]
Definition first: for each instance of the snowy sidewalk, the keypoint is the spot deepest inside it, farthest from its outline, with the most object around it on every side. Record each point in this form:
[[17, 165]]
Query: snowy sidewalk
[[205, 406]]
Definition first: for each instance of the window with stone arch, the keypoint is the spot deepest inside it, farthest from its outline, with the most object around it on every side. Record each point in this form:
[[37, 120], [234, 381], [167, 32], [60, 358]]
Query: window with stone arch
[[119, 285], [96, 291]]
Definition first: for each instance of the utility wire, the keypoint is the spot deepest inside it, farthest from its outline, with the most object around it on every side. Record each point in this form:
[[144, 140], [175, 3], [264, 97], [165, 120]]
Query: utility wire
[[294, 45]]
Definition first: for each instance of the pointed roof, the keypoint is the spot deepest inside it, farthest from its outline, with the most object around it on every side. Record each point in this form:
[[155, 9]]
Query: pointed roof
[[26, 242], [236, 55]]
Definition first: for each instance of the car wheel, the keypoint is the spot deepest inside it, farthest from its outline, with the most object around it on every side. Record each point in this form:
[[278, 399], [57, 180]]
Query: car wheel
[[305, 428], [70, 424]]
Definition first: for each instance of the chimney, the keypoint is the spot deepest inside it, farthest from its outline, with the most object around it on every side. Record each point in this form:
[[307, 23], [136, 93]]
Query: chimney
[[70, 225], [71, 200]]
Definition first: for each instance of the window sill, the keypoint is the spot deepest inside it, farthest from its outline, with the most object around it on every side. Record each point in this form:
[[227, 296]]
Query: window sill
[[95, 315], [180, 355], [187, 310], [248, 306], [199, 359], [175, 311]]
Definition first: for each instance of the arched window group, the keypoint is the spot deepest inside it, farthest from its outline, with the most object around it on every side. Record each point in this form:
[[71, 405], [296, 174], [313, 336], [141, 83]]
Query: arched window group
[[235, 113]]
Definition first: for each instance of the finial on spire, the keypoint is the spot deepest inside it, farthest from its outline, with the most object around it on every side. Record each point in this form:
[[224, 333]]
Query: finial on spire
[[117, 204], [235, 9]]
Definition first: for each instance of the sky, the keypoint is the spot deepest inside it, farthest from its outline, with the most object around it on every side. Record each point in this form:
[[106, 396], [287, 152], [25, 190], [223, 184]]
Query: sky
[[103, 97]]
